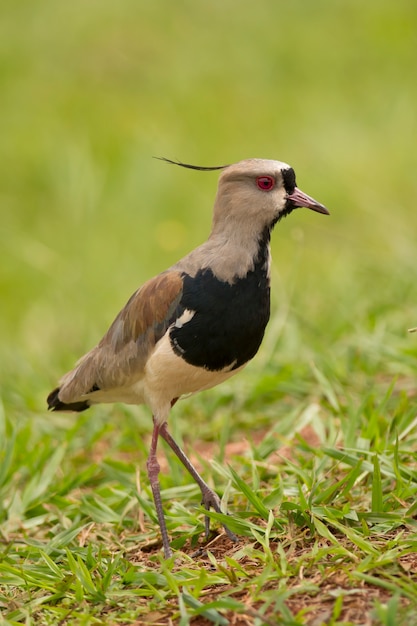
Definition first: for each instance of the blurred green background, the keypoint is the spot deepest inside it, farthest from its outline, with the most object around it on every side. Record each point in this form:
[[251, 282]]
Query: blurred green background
[[90, 91]]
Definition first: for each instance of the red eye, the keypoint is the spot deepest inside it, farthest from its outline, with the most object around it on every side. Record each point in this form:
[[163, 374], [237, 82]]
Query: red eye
[[265, 182]]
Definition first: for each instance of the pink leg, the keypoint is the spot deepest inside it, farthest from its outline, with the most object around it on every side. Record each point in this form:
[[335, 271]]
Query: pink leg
[[153, 468], [210, 498]]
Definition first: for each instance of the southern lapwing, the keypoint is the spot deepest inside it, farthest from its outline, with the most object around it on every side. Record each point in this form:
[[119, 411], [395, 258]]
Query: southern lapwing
[[199, 322]]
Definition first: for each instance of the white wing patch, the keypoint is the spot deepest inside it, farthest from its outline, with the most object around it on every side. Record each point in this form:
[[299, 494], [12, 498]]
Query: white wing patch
[[184, 318]]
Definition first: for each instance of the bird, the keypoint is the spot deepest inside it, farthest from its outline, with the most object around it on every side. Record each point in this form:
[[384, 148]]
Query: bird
[[199, 322]]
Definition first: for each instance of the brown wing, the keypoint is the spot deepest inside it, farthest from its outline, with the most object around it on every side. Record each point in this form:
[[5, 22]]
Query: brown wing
[[120, 357]]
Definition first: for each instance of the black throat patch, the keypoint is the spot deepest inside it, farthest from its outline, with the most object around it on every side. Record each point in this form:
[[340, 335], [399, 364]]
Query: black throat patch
[[229, 320]]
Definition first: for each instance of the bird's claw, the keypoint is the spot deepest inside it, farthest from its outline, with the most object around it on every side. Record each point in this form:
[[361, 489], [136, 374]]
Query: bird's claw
[[212, 501]]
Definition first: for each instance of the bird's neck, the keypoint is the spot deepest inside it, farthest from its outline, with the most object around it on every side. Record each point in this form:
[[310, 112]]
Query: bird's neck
[[230, 255]]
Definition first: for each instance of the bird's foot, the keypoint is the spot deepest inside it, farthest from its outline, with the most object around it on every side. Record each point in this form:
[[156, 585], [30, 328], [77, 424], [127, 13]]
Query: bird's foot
[[212, 501]]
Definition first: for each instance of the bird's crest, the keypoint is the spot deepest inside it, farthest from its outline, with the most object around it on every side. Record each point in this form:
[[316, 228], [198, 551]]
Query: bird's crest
[[192, 167]]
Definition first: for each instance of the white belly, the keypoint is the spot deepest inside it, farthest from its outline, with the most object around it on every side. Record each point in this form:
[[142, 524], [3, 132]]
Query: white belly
[[168, 376]]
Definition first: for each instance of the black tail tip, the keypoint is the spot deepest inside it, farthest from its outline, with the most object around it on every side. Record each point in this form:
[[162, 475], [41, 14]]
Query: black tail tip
[[55, 404]]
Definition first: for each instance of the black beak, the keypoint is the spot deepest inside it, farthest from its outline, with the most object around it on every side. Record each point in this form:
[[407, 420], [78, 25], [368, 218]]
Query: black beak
[[297, 199]]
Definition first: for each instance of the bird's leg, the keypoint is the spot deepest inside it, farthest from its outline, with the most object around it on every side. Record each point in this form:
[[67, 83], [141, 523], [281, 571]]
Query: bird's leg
[[153, 468], [210, 498]]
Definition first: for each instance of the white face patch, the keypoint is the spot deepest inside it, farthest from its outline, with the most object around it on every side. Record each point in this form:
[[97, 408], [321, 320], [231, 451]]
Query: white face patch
[[184, 318]]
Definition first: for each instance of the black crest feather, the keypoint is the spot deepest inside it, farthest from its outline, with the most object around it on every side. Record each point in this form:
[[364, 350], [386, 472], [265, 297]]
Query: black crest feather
[[192, 167]]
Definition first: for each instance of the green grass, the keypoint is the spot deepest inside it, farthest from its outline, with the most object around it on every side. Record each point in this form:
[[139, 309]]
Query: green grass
[[313, 448]]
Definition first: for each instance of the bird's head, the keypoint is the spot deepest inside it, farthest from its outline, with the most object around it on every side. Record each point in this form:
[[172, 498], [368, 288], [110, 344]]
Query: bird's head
[[260, 192], [254, 194]]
